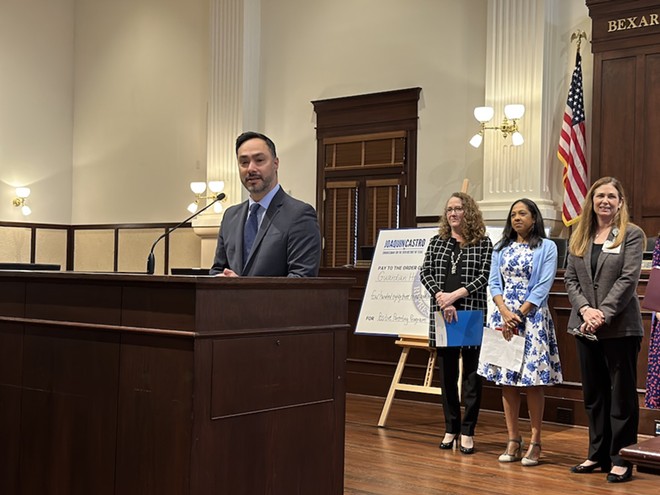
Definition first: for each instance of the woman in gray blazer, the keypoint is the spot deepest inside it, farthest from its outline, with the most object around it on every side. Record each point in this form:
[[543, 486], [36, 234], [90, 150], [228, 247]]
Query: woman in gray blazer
[[604, 263]]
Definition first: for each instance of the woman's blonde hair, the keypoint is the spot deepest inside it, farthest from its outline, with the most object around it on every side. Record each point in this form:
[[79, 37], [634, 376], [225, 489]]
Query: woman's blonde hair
[[588, 223], [473, 225]]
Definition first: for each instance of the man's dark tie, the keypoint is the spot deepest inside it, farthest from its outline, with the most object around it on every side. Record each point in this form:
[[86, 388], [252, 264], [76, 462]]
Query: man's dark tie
[[250, 232]]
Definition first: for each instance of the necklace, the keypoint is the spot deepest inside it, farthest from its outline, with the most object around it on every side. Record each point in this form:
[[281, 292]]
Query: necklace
[[455, 258], [604, 231]]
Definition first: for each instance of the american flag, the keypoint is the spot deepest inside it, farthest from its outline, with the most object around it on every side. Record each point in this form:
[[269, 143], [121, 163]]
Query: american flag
[[572, 149]]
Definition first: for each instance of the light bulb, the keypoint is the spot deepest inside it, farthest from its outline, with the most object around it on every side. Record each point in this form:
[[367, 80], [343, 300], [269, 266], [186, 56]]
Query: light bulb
[[217, 207], [198, 187], [517, 139], [192, 207], [216, 186], [22, 192], [483, 114], [514, 112], [25, 210], [476, 140]]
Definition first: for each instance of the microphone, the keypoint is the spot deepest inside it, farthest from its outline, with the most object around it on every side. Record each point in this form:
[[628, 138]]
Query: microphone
[[151, 259]]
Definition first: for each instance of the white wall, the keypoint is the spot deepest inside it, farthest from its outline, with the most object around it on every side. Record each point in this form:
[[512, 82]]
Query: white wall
[[141, 79], [36, 104], [325, 49], [102, 108], [103, 104]]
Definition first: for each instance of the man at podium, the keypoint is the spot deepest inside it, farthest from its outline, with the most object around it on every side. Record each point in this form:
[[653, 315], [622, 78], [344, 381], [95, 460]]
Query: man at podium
[[271, 234]]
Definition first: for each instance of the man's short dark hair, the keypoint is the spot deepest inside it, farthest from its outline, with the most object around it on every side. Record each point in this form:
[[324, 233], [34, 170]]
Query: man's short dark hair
[[246, 136]]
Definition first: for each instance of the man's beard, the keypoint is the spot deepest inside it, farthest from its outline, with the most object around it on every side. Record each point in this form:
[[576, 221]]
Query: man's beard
[[258, 187]]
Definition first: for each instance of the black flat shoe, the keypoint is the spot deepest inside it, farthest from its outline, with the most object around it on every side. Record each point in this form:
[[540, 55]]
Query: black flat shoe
[[580, 469], [450, 444], [620, 478]]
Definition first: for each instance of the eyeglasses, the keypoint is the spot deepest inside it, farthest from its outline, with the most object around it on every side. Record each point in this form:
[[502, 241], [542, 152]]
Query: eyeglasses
[[579, 333], [458, 209]]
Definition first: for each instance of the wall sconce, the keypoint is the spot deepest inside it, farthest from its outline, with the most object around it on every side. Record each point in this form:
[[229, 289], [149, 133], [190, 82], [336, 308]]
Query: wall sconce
[[22, 194], [508, 126], [199, 188]]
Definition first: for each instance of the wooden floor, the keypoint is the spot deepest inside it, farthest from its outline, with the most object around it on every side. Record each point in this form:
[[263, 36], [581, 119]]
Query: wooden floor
[[404, 457]]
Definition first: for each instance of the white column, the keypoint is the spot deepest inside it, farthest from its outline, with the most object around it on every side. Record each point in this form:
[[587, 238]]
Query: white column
[[518, 71], [233, 101]]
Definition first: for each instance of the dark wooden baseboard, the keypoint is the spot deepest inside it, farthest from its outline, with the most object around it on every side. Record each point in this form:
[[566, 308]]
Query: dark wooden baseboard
[[563, 403]]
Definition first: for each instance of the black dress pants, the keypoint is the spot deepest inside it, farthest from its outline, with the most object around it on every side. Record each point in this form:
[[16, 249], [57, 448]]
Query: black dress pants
[[448, 360], [609, 385]]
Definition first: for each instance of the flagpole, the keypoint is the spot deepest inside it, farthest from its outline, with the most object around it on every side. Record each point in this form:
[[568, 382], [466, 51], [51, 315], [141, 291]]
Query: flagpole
[[572, 144], [579, 35]]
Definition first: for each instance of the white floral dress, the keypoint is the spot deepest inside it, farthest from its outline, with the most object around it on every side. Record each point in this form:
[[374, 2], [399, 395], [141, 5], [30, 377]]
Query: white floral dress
[[541, 364]]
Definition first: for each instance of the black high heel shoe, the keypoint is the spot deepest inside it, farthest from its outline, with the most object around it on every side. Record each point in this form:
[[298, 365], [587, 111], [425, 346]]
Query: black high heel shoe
[[448, 445], [465, 450], [580, 469], [620, 478]]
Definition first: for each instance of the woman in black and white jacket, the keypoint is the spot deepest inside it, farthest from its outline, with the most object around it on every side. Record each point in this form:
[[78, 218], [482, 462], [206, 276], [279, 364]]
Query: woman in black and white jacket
[[455, 272]]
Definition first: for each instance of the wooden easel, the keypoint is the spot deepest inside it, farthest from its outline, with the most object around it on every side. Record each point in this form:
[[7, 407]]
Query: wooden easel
[[407, 343]]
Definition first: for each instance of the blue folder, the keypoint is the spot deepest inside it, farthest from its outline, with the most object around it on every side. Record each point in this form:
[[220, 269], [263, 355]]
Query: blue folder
[[468, 330]]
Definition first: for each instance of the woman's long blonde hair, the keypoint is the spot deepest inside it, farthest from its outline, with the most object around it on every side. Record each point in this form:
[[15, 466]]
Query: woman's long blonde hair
[[474, 228], [588, 223]]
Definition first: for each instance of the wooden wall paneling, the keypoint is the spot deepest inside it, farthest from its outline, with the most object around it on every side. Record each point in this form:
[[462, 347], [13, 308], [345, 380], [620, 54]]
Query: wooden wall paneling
[[11, 359], [617, 121], [612, 28], [258, 412], [626, 45], [155, 414], [12, 298], [16, 243], [185, 249], [170, 306], [133, 247], [68, 411], [12, 305], [50, 246], [270, 382], [73, 301], [250, 440], [202, 453], [273, 303], [649, 171], [93, 250]]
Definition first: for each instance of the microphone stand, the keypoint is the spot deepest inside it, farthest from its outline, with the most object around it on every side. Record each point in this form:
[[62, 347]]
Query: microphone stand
[[151, 259]]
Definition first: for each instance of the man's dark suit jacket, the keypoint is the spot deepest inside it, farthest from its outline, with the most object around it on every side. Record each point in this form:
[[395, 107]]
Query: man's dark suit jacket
[[288, 243]]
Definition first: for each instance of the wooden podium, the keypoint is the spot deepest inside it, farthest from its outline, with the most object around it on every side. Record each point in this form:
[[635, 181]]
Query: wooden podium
[[135, 384]]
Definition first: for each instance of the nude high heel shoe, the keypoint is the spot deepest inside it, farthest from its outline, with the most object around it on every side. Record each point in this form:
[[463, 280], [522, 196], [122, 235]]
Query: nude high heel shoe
[[532, 461], [506, 457]]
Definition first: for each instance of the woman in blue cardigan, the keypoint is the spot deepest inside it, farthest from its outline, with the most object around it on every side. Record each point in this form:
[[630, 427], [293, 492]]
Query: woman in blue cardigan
[[521, 274]]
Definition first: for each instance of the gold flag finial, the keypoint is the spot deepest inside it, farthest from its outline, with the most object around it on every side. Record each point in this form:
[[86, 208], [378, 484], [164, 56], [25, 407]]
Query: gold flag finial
[[579, 35]]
